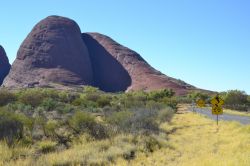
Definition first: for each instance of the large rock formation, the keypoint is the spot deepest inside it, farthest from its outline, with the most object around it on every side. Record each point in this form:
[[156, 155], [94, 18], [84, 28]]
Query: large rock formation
[[4, 65], [53, 52], [117, 66]]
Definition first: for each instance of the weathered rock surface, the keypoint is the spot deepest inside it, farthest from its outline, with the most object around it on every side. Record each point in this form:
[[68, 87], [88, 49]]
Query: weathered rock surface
[[56, 54], [53, 52], [118, 66], [4, 65]]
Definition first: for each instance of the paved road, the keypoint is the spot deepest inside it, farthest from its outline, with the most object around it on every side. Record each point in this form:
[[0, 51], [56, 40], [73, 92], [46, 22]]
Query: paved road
[[227, 117]]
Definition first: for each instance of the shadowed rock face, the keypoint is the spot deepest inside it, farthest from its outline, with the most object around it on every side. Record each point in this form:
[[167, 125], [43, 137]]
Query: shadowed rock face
[[133, 72], [4, 65], [109, 74], [53, 52]]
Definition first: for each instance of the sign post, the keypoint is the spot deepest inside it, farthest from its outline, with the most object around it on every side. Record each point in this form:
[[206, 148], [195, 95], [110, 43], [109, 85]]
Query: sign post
[[217, 110]]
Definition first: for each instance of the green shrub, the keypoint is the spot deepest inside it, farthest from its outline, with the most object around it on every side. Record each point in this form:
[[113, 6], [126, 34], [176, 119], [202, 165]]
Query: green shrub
[[31, 97], [143, 120], [166, 114], [185, 99], [68, 97], [235, 99], [84, 122], [151, 144], [78, 102], [93, 97], [90, 89], [64, 108], [19, 106], [6, 97], [248, 100], [49, 104], [119, 118], [51, 93], [198, 95], [159, 94], [128, 101], [153, 105], [171, 102], [85, 103], [135, 121], [103, 101], [27, 122], [50, 128], [11, 128]]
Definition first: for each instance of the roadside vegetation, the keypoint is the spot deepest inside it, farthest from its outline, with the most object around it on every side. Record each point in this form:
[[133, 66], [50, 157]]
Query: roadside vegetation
[[40, 126], [84, 127], [236, 102]]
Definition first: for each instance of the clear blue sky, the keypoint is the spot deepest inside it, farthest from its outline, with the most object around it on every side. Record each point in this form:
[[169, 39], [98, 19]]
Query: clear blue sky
[[205, 43]]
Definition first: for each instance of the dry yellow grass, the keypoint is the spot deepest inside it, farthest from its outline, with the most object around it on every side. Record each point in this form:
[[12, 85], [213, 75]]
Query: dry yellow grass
[[234, 112], [198, 142]]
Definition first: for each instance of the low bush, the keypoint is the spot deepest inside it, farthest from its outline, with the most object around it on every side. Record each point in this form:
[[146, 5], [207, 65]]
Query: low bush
[[198, 95], [166, 114], [143, 120], [103, 101], [135, 121], [160, 94], [119, 118], [85, 103], [171, 102], [50, 128], [153, 105], [235, 99], [64, 108], [82, 122], [11, 128], [20, 107], [31, 97], [49, 104], [6, 97], [92, 97]]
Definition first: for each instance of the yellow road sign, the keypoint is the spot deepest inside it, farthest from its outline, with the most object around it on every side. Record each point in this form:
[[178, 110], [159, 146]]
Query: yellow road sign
[[217, 110], [217, 101], [200, 103]]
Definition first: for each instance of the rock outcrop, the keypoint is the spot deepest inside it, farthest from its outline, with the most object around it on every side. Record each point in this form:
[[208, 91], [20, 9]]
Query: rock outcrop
[[53, 52], [115, 64], [4, 65], [56, 53]]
